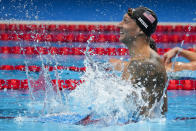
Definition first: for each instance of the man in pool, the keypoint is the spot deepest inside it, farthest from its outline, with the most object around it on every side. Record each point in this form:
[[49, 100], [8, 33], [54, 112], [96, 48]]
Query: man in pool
[[145, 67]]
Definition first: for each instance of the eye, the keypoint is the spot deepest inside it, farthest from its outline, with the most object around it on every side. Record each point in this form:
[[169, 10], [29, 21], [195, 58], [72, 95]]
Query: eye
[[125, 20]]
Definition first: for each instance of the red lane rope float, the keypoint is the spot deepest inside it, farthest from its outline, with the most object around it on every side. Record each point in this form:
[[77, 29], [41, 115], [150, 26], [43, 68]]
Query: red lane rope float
[[61, 37], [54, 27], [84, 27], [58, 37], [174, 38], [72, 84], [61, 50], [82, 37], [161, 51], [23, 84], [35, 68], [70, 51], [182, 85]]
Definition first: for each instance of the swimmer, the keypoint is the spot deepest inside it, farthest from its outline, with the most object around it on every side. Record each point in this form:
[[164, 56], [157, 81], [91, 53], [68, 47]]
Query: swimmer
[[179, 66], [145, 68], [145, 65]]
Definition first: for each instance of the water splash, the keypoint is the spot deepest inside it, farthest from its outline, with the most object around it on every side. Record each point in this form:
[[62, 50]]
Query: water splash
[[103, 94]]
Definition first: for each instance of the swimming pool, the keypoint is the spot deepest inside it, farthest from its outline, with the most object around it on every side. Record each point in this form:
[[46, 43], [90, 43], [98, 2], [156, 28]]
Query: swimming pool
[[21, 109], [19, 112], [14, 103]]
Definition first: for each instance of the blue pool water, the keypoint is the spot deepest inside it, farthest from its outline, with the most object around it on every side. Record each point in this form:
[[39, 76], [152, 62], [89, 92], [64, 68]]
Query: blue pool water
[[20, 111], [25, 114], [14, 103]]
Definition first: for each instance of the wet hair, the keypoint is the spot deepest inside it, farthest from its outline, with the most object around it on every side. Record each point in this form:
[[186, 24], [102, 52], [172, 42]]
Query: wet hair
[[149, 40], [153, 44]]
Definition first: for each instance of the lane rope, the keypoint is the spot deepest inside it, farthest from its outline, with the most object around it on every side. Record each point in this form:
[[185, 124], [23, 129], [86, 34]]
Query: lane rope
[[72, 84], [35, 68]]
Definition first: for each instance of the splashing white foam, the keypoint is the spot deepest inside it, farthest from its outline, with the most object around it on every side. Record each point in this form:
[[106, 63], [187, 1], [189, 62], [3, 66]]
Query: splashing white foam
[[103, 94]]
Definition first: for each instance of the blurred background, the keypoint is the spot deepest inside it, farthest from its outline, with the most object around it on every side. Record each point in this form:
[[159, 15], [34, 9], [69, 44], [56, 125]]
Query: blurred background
[[94, 10]]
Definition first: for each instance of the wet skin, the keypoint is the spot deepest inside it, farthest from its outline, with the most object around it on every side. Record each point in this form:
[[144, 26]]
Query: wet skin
[[149, 73], [145, 65]]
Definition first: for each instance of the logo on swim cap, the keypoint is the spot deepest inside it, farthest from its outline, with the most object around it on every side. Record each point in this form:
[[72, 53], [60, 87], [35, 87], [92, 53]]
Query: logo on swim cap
[[142, 22], [149, 16], [145, 18]]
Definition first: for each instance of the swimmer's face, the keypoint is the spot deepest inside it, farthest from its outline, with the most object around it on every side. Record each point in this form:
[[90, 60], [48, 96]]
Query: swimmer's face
[[128, 29]]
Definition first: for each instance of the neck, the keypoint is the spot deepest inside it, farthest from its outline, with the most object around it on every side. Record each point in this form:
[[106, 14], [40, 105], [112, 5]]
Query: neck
[[139, 49]]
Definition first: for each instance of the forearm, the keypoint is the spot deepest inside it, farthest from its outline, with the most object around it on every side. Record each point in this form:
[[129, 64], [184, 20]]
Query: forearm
[[118, 64], [187, 54], [179, 66]]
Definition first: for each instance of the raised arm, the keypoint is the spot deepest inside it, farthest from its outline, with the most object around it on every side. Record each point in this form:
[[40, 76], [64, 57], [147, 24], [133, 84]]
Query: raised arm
[[185, 53], [179, 66], [118, 64]]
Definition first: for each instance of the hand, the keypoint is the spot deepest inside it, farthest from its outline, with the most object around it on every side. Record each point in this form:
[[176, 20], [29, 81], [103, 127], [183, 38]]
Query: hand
[[168, 67], [178, 66], [170, 54]]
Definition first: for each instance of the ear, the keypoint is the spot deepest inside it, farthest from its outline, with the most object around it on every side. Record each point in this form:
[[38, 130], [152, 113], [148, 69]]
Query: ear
[[141, 32]]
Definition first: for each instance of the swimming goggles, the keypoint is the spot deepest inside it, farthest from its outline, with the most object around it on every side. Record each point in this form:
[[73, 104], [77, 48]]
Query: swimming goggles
[[130, 12]]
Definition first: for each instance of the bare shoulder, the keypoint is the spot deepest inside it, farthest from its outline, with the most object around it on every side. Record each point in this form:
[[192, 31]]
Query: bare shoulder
[[149, 72], [150, 66], [156, 59], [145, 68]]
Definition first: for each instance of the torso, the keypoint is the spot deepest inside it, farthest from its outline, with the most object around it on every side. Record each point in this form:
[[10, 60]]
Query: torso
[[144, 71]]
